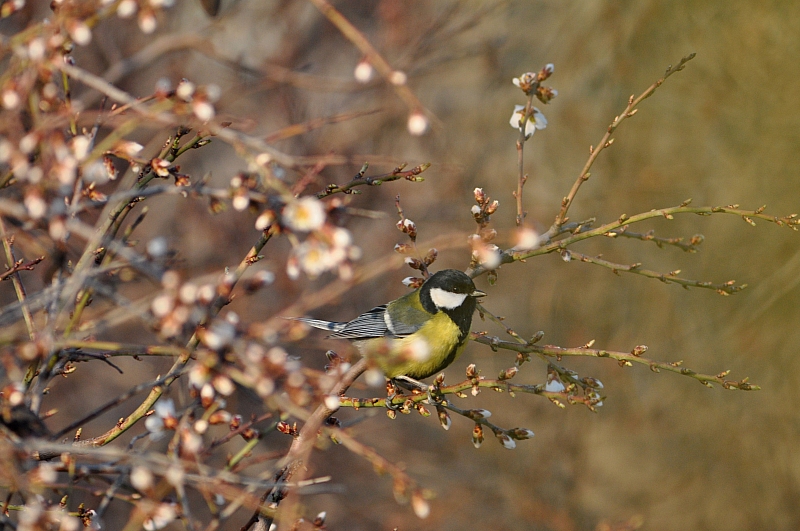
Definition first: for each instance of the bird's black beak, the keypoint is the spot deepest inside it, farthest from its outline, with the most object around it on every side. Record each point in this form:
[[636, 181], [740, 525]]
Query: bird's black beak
[[477, 293]]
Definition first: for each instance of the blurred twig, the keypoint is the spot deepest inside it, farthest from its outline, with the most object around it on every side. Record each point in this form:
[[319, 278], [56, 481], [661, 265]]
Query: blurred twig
[[375, 59], [310, 125]]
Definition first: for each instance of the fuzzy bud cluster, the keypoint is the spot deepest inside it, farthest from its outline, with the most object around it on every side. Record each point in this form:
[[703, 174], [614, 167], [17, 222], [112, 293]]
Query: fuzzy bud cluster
[[530, 83], [484, 253], [181, 306], [196, 100], [327, 249], [483, 208], [240, 189]]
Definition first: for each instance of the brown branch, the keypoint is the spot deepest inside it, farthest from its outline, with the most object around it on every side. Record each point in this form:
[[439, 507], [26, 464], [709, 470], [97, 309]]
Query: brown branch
[[511, 255], [292, 463], [310, 125], [458, 389], [20, 265], [359, 180], [522, 178], [375, 59], [625, 359], [726, 288], [606, 141], [650, 236]]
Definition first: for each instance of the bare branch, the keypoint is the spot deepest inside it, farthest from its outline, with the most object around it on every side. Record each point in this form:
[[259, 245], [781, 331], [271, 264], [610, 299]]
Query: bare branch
[[606, 141], [726, 288]]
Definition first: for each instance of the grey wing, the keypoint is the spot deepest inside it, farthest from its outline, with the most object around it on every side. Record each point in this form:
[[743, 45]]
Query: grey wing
[[405, 319], [383, 322], [366, 326]]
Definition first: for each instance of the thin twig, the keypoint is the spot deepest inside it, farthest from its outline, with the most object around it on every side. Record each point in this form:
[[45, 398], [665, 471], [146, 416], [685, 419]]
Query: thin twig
[[13, 271], [301, 447], [20, 265], [650, 236], [360, 180], [375, 59], [726, 288], [110, 405], [625, 359], [512, 255], [310, 125], [606, 141], [522, 177]]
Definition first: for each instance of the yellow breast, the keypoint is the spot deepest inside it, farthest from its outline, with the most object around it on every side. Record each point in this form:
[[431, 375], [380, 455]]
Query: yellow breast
[[420, 355]]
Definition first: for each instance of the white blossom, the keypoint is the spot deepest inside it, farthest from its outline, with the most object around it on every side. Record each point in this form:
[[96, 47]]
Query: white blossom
[[534, 122], [305, 214]]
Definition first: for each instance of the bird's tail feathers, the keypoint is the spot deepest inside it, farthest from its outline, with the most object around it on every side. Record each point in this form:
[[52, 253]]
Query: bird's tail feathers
[[331, 326]]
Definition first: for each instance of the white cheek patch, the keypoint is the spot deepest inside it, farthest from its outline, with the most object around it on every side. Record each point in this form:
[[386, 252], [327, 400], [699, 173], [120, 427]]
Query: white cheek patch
[[447, 299]]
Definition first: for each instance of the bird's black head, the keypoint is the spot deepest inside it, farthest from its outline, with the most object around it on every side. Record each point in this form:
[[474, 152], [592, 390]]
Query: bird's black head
[[448, 289], [452, 292]]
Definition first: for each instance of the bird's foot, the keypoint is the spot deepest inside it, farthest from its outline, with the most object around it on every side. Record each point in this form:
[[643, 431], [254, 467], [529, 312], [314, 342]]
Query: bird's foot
[[390, 405], [434, 396]]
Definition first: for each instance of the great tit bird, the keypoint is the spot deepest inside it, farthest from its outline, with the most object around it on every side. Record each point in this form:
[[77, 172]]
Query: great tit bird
[[417, 335]]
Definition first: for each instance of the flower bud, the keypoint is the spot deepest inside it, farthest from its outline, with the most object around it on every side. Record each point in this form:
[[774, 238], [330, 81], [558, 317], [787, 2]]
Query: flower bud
[[508, 373], [477, 436], [546, 72], [639, 350], [413, 282], [413, 263], [507, 442], [520, 434], [477, 414], [444, 418], [431, 256], [421, 507]]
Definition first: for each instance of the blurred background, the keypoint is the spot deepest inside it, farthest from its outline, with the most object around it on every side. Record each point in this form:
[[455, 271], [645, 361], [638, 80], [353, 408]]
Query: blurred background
[[663, 450]]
